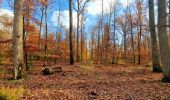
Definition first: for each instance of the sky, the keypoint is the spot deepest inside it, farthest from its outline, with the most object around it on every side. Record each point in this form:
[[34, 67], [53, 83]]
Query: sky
[[93, 10]]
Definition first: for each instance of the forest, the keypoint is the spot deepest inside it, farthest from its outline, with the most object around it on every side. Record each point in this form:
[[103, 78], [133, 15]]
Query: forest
[[84, 49]]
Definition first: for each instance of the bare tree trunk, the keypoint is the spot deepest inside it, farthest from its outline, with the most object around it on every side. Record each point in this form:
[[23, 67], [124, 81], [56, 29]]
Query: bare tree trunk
[[125, 48], [133, 58], [82, 41], [18, 39], [46, 38], [139, 7], [98, 43], [102, 31], [41, 22], [71, 32], [155, 51], [169, 20], [78, 20], [163, 39], [92, 46], [25, 46], [114, 39]]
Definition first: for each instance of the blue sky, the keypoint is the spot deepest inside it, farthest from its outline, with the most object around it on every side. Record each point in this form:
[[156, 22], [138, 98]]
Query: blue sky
[[94, 9]]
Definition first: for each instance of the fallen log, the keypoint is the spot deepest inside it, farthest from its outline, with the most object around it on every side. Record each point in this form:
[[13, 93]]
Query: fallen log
[[48, 71]]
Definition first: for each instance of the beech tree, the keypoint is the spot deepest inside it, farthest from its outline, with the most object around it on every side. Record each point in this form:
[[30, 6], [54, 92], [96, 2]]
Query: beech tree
[[163, 39], [46, 35], [154, 42], [18, 39]]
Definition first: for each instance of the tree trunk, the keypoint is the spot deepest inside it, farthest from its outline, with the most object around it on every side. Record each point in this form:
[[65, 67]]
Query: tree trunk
[[114, 39], [46, 37], [18, 39], [169, 20], [82, 41], [71, 32], [154, 42], [78, 19], [25, 46], [139, 7], [41, 22], [163, 39], [133, 58]]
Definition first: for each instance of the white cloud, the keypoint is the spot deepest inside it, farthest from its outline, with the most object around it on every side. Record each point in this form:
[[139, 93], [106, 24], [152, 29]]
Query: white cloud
[[126, 2], [64, 18], [5, 11], [95, 7]]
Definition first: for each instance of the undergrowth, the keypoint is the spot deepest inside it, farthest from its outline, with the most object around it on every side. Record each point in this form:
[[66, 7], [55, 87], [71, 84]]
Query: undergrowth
[[7, 93]]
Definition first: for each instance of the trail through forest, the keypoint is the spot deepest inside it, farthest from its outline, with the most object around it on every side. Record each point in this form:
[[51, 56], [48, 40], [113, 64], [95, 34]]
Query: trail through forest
[[88, 82]]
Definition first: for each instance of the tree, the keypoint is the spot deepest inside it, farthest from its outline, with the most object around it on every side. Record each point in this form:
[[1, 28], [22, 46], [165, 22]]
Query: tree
[[41, 22], [154, 42], [70, 33], [139, 28], [133, 58], [163, 39], [81, 4], [106, 41], [18, 39], [46, 35], [124, 26]]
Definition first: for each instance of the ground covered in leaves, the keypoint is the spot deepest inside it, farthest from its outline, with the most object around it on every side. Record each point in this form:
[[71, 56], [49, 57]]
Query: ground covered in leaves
[[89, 82]]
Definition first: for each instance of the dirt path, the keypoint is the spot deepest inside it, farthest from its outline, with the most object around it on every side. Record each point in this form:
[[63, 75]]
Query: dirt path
[[100, 82]]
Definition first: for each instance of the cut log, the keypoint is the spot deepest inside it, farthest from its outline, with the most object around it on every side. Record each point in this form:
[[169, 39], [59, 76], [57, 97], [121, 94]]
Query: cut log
[[48, 71]]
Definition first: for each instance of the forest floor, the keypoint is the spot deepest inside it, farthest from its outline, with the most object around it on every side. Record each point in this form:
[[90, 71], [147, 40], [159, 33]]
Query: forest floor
[[89, 82]]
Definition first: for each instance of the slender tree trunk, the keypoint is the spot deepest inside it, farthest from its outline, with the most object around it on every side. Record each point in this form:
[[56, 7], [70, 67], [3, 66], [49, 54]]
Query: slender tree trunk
[[58, 33], [155, 50], [125, 47], [18, 39], [139, 44], [163, 39], [25, 46], [98, 43], [102, 31], [92, 45], [114, 39], [71, 32], [140, 29], [78, 19], [46, 37], [82, 40], [41, 22], [133, 58]]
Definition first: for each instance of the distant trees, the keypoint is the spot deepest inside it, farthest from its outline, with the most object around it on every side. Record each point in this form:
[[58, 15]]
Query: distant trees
[[18, 39], [154, 42]]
